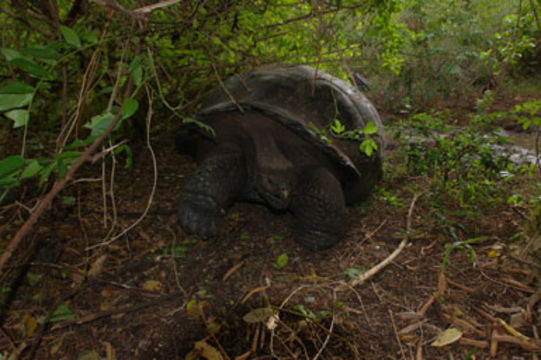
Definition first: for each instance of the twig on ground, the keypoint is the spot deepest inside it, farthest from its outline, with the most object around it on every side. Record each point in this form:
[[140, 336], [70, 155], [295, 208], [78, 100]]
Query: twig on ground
[[99, 315], [396, 335], [436, 295], [374, 270]]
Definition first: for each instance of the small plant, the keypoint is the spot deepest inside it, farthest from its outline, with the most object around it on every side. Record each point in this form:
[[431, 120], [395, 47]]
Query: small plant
[[281, 261], [310, 315], [466, 244], [367, 144], [354, 272]]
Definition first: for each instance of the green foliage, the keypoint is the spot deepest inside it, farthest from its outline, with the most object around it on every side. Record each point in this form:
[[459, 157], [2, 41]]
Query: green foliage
[[449, 50], [353, 273], [367, 145], [464, 245], [461, 162], [69, 73], [281, 261], [310, 315]]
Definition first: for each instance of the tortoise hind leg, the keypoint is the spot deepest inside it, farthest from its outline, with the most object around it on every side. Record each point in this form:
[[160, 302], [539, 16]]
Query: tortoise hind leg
[[211, 190], [319, 209]]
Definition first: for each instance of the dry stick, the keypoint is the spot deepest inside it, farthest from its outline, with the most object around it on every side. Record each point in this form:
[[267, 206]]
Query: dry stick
[[99, 315], [395, 253], [42, 206], [149, 8], [396, 334]]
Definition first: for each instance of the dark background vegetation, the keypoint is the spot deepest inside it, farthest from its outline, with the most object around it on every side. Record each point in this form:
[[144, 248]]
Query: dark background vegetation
[[87, 88]]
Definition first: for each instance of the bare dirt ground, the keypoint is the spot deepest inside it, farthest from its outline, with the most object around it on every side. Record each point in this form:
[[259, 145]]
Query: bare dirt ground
[[158, 293]]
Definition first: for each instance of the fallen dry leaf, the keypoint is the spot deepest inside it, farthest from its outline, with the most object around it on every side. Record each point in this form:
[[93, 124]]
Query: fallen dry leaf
[[152, 285], [259, 315], [204, 350], [447, 337]]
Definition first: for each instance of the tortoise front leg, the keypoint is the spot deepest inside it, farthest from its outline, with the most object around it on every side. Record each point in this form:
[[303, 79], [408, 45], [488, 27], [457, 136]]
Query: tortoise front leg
[[319, 209], [211, 190]]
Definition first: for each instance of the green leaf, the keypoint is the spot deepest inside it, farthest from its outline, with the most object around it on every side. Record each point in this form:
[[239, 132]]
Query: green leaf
[[61, 313], [129, 155], [137, 74], [370, 129], [129, 108], [179, 251], [337, 127], [42, 53], [30, 67], [46, 172], [68, 155], [17, 88], [99, 123], [8, 182], [70, 36], [11, 101], [61, 167], [10, 54], [281, 261], [31, 169], [19, 117], [354, 273], [11, 164], [368, 146]]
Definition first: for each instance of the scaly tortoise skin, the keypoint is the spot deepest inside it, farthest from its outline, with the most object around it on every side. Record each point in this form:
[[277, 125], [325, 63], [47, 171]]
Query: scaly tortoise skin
[[268, 148]]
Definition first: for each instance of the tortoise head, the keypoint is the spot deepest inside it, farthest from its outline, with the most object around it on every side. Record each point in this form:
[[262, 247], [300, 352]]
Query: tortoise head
[[275, 188]]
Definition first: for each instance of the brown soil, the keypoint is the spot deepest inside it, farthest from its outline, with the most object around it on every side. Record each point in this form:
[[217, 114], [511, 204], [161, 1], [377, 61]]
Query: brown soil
[[156, 291]]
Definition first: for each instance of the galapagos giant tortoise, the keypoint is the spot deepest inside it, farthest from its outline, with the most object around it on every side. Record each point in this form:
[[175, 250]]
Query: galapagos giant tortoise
[[268, 145]]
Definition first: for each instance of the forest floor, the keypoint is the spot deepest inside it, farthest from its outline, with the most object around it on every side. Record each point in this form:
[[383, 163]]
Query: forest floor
[[159, 293]]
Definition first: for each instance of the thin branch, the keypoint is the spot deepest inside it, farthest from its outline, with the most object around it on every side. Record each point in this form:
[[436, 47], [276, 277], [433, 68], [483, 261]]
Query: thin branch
[[395, 253], [47, 200]]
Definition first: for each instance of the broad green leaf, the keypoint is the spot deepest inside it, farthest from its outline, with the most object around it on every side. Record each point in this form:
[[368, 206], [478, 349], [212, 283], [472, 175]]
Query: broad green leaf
[[19, 117], [30, 67], [281, 261], [11, 164], [90, 37], [46, 172], [370, 129], [99, 123], [61, 167], [368, 146], [129, 108], [42, 53], [137, 74], [17, 88], [68, 155], [31, 169], [61, 313], [10, 54], [11, 101], [70, 36], [8, 182]]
